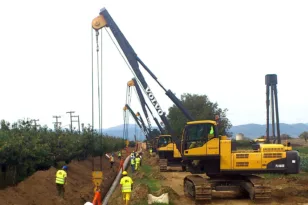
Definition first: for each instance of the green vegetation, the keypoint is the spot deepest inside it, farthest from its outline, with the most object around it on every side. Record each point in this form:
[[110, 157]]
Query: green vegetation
[[153, 184], [25, 149], [303, 152], [201, 108]]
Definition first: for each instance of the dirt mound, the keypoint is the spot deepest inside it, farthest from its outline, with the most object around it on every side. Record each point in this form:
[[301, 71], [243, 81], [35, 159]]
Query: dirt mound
[[140, 192], [40, 188]]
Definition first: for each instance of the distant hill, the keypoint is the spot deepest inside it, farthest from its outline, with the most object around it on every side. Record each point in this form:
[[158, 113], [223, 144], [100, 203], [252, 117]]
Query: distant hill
[[256, 130], [249, 130]]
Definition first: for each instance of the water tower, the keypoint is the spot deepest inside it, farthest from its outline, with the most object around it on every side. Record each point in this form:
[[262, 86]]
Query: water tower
[[239, 136]]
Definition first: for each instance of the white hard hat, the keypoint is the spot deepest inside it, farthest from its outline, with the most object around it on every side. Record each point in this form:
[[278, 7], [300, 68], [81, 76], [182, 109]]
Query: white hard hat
[[88, 203]]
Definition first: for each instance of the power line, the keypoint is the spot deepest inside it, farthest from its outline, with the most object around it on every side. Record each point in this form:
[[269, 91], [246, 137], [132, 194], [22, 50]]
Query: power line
[[35, 125], [71, 126], [56, 122], [77, 121]]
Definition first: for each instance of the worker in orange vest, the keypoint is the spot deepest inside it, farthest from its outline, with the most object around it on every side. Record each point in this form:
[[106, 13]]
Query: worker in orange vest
[[121, 165], [97, 197]]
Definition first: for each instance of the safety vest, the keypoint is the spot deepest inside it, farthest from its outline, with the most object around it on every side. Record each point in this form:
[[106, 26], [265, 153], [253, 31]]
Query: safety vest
[[111, 159], [126, 183], [212, 130], [138, 160], [150, 150], [132, 161], [119, 154], [60, 176]]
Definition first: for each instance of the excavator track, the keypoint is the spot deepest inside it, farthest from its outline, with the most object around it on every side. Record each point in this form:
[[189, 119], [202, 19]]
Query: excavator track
[[198, 188], [256, 188], [201, 189], [163, 164]]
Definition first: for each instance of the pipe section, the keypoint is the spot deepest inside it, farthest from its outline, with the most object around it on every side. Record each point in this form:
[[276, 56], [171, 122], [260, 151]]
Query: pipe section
[[116, 181]]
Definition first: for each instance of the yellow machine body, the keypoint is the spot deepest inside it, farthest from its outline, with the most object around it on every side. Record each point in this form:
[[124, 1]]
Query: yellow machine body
[[217, 154]]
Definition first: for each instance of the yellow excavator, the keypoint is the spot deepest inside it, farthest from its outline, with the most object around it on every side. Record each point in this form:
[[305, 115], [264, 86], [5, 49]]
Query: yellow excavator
[[203, 150], [229, 169]]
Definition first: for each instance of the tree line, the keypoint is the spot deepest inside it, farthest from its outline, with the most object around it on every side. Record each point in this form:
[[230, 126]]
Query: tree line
[[25, 149]]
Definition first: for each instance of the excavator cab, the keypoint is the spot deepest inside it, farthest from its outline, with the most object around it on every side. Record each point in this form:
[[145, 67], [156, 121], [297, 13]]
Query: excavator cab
[[169, 154], [164, 140], [200, 138]]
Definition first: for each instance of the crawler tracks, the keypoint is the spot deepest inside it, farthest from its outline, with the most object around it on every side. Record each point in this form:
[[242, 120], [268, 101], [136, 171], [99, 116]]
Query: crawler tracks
[[201, 189], [163, 164]]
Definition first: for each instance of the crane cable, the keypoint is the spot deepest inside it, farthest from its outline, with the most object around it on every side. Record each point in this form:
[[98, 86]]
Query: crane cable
[[97, 176], [128, 65], [125, 60]]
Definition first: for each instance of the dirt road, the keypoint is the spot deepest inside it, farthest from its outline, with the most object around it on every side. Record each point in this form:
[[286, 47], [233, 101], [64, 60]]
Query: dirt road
[[280, 194]]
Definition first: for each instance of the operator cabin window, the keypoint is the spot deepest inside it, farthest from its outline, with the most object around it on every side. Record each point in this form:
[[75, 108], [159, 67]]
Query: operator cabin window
[[197, 135]]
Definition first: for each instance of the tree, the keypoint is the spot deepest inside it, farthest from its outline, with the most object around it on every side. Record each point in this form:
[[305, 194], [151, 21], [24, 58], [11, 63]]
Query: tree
[[285, 136], [304, 135], [155, 133], [201, 108]]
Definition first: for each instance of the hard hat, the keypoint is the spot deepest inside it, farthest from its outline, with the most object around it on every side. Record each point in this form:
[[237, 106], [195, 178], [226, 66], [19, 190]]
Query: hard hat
[[124, 173], [64, 167]]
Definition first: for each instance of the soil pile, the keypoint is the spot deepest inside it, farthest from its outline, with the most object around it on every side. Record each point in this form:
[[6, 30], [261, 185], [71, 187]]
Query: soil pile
[[40, 188]]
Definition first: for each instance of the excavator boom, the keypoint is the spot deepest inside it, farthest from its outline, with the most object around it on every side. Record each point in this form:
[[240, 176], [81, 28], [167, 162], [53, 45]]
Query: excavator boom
[[142, 127]]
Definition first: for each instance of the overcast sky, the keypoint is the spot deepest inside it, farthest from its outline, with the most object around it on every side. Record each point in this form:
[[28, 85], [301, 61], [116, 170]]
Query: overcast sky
[[219, 48]]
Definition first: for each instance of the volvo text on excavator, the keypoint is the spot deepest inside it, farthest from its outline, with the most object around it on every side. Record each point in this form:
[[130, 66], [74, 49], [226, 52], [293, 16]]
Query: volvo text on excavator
[[169, 154]]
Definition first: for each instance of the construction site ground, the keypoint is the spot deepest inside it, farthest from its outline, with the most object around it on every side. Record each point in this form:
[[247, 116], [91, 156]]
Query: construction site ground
[[40, 188], [286, 189]]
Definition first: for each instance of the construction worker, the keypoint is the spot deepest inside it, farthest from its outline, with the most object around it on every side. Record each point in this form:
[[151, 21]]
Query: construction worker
[[137, 162], [121, 165], [211, 133], [111, 160], [126, 185], [151, 151], [61, 180], [119, 155], [132, 163], [97, 197], [140, 156]]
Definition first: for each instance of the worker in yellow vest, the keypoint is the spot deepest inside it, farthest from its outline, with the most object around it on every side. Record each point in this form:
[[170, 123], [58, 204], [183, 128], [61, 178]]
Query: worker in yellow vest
[[137, 162], [126, 184], [61, 180], [132, 163], [119, 155], [151, 151]]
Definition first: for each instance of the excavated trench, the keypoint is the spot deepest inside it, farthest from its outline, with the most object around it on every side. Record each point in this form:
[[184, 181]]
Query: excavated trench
[[40, 188]]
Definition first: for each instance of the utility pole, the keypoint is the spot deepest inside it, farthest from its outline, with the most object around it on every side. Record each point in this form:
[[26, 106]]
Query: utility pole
[[70, 112], [35, 125], [56, 122], [78, 122]]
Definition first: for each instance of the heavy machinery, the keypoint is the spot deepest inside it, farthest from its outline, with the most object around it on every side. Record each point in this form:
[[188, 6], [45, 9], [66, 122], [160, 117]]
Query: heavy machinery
[[145, 107], [203, 150], [168, 153], [139, 121], [229, 169]]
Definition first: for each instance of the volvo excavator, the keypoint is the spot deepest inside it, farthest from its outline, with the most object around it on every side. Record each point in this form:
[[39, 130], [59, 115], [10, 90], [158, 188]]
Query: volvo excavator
[[229, 169], [203, 150], [168, 153]]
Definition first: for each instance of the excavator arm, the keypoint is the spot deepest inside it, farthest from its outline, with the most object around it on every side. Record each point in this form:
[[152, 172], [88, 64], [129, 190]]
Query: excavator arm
[[141, 125], [144, 105], [105, 20]]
